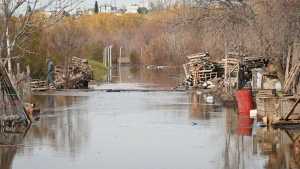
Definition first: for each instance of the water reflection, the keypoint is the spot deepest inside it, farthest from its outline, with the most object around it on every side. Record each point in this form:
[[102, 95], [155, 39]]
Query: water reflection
[[281, 147], [63, 124], [267, 148], [169, 77], [239, 150], [9, 144], [148, 130], [203, 105]]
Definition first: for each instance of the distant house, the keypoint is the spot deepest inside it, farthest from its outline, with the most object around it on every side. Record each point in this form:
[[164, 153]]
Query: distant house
[[108, 8], [133, 8]]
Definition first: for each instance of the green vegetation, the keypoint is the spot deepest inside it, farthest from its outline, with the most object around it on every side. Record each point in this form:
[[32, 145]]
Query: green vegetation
[[99, 70], [142, 10]]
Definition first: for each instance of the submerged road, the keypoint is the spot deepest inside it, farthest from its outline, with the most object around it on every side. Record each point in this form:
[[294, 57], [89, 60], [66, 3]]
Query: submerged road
[[157, 129], [132, 130]]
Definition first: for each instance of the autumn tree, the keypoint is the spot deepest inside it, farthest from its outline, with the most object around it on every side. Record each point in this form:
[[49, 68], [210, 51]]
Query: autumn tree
[[16, 18]]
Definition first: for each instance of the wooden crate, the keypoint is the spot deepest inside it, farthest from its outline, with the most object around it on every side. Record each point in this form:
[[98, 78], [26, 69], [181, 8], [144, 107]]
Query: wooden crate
[[268, 107]]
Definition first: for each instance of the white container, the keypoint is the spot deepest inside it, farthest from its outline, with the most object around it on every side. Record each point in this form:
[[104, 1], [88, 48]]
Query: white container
[[253, 114]]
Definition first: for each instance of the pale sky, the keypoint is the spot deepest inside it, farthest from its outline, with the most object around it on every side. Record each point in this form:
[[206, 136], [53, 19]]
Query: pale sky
[[118, 2]]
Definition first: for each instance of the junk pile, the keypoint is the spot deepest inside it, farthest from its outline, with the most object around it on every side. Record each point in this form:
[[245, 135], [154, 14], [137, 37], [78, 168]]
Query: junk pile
[[200, 70], [12, 111], [234, 71], [77, 75]]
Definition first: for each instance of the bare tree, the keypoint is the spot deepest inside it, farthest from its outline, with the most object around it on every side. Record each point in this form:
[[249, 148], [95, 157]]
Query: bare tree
[[16, 22]]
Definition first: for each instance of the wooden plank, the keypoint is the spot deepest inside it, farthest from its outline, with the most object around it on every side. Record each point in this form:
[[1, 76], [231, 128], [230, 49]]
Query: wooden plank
[[292, 109], [294, 73], [287, 70]]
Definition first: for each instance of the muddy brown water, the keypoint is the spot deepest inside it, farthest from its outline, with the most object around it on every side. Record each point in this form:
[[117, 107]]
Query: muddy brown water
[[145, 130]]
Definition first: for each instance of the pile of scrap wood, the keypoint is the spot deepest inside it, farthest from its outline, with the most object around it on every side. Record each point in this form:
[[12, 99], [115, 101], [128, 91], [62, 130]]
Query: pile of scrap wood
[[234, 71], [200, 70], [76, 76]]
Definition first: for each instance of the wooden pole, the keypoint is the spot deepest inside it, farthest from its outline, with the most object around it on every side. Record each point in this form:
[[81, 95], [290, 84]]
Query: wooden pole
[[120, 57], [104, 56], [226, 68], [287, 69], [28, 71], [110, 63]]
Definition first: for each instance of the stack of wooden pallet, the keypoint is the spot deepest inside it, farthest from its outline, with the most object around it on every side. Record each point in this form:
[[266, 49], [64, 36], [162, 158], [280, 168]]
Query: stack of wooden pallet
[[201, 69], [38, 85], [254, 62], [77, 75], [266, 93], [267, 104]]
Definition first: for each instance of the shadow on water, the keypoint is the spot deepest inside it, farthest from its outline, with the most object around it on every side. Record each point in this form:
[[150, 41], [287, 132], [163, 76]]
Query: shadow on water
[[10, 143], [63, 125]]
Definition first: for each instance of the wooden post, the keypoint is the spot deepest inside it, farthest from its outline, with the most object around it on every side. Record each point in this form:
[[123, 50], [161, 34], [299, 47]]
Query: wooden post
[[18, 70], [110, 63], [120, 59], [226, 68], [287, 69], [104, 56], [185, 71], [28, 71]]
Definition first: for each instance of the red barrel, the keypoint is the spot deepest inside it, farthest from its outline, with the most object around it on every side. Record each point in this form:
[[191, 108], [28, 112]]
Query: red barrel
[[244, 101]]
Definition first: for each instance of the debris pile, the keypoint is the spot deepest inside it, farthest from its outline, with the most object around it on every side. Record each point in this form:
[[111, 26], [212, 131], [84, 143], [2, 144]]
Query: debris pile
[[232, 72], [200, 70], [76, 76]]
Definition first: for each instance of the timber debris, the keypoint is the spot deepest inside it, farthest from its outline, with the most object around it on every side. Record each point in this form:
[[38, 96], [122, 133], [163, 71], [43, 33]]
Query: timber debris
[[76, 75], [232, 72], [200, 69]]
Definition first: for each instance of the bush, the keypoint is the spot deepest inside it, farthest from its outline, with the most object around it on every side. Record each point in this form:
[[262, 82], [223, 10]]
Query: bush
[[99, 70]]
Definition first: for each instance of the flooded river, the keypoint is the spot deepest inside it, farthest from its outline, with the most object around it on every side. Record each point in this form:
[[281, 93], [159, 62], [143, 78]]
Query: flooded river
[[145, 130]]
